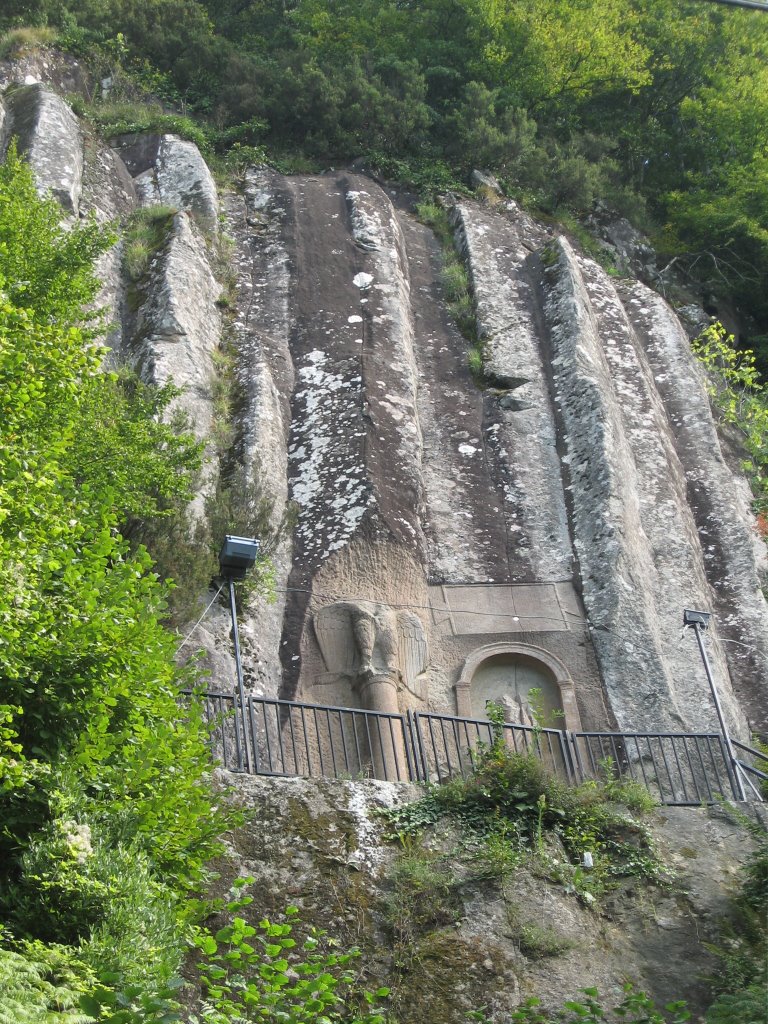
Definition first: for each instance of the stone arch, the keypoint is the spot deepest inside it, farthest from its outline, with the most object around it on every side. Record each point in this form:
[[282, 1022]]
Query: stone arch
[[536, 660]]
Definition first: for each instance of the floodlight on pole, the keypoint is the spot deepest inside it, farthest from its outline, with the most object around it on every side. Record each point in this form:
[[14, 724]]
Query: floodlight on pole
[[699, 622], [236, 557]]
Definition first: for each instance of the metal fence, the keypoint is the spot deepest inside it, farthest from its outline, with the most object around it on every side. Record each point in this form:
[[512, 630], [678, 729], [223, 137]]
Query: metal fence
[[290, 738]]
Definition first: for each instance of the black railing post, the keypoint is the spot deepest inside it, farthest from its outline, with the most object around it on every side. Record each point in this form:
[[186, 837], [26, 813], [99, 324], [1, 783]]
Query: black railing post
[[422, 757], [243, 756], [699, 621]]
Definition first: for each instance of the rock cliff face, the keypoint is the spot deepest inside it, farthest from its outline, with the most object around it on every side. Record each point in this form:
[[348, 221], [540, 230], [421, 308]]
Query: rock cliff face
[[437, 925], [550, 525]]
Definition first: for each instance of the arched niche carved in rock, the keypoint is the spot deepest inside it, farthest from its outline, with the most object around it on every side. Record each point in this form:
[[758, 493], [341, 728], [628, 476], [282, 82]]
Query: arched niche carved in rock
[[509, 670]]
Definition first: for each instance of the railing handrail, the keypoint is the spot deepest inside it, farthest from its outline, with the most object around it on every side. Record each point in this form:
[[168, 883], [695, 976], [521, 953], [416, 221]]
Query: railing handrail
[[294, 703], [654, 735], [487, 722], [762, 754]]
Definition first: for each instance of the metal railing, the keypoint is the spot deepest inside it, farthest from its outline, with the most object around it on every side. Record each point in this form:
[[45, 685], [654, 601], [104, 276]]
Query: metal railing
[[684, 769], [291, 738], [448, 746], [316, 740], [750, 773]]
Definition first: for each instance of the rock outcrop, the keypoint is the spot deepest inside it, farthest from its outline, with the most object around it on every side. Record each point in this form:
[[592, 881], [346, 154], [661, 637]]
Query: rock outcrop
[[176, 328], [572, 506], [437, 925], [170, 171], [47, 133]]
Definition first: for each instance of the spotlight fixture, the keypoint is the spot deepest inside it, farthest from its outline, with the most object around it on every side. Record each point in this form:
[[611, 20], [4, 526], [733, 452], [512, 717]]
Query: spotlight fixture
[[237, 556], [692, 618]]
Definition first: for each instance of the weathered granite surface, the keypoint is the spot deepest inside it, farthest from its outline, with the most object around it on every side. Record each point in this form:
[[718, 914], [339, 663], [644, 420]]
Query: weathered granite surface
[[589, 463], [318, 845], [48, 134], [177, 327], [734, 555], [260, 327], [635, 537], [59, 71], [170, 171], [501, 251]]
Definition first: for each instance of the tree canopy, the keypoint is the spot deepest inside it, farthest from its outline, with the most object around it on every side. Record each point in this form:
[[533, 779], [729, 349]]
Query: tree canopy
[[658, 107]]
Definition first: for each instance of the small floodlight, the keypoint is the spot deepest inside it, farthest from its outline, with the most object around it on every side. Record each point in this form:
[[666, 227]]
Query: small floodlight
[[237, 556], [692, 618]]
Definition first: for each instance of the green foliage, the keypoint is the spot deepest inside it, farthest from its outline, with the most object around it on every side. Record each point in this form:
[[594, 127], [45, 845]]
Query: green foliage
[[84, 887], [421, 897], [161, 460], [491, 134], [643, 105], [145, 233], [133, 1003], [761, 763], [126, 118], [45, 268], [745, 1007], [21, 41], [754, 889], [108, 815], [30, 992], [261, 973], [537, 942], [742, 976], [635, 1008], [511, 805], [189, 556], [739, 394], [543, 717]]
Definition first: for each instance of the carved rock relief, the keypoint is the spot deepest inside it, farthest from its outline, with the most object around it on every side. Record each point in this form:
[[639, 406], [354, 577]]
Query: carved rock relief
[[366, 639]]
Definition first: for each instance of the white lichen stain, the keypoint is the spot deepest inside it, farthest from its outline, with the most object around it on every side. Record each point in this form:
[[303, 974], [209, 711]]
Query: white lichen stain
[[326, 458]]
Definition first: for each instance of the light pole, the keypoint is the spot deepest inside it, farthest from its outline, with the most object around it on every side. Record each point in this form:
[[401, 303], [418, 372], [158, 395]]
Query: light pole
[[236, 557], [699, 621]]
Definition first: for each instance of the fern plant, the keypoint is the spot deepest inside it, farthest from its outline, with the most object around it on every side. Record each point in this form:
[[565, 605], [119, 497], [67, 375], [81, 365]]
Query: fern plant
[[29, 996]]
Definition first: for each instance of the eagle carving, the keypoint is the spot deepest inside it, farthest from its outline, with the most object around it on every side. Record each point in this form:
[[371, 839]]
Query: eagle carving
[[360, 639]]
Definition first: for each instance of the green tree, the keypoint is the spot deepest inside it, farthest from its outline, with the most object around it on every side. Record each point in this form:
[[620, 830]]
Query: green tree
[[92, 733]]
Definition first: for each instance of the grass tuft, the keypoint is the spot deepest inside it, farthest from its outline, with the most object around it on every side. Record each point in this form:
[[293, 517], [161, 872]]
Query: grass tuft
[[21, 41], [145, 234]]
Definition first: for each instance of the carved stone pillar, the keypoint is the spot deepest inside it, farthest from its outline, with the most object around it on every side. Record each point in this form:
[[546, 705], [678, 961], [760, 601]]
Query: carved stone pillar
[[378, 692], [463, 690]]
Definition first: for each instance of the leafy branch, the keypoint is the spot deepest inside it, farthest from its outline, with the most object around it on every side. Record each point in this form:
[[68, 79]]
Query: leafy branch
[[739, 394]]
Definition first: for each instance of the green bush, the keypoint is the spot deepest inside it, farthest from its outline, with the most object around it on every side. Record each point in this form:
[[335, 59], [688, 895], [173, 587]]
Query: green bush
[[741, 980], [635, 1008], [83, 887], [129, 117], [511, 803], [109, 819], [31, 993], [739, 394], [746, 1007], [20, 41], [261, 973]]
